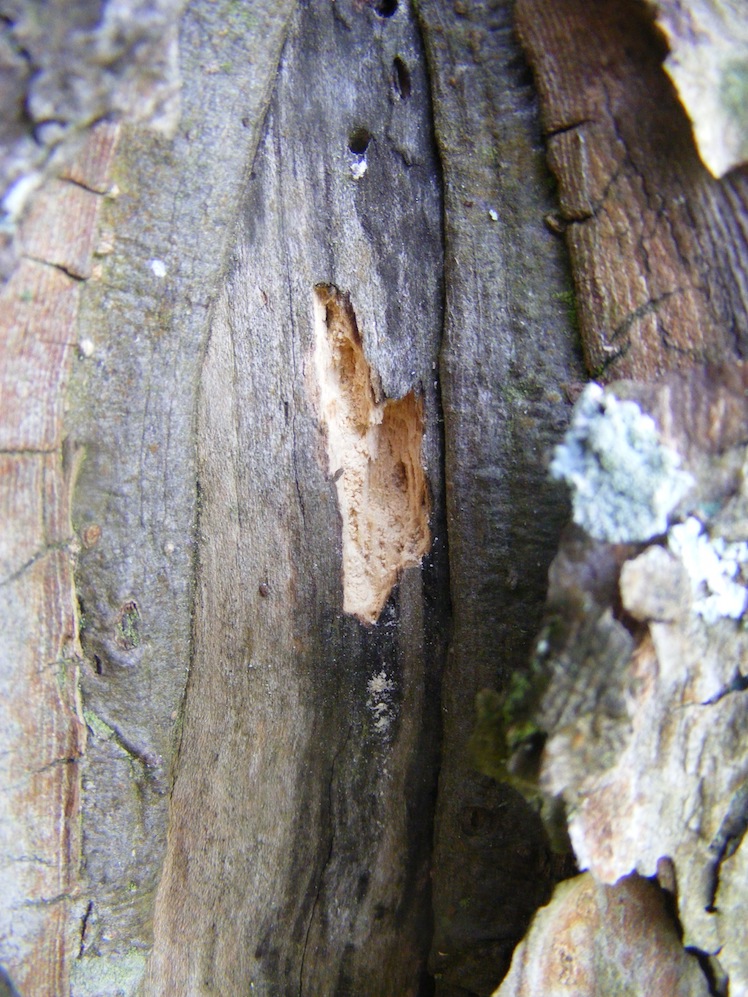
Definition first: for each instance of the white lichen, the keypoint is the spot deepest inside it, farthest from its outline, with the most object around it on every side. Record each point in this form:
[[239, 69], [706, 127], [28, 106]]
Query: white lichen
[[714, 567], [625, 481]]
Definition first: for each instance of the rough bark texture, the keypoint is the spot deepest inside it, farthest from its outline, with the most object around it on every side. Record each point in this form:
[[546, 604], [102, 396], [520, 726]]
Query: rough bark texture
[[639, 697], [65, 66], [655, 241], [43, 734], [275, 796], [132, 413], [595, 939]]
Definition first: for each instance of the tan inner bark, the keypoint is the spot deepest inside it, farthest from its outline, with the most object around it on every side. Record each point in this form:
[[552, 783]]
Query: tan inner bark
[[374, 458]]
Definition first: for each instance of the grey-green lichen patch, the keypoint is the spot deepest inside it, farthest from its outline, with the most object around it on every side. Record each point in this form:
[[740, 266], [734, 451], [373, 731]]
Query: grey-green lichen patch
[[625, 482], [97, 976], [734, 91], [97, 726]]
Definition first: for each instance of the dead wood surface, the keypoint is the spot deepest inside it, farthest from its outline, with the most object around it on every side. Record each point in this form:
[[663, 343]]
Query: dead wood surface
[[43, 733], [655, 241], [275, 793]]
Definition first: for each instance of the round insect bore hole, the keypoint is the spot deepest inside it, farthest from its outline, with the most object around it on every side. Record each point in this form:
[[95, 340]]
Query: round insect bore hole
[[358, 141], [401, 78], [385, 8]]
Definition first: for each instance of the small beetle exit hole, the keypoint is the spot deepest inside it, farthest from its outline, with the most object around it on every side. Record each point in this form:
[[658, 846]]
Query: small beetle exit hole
[[401, 78], [358, 141], [385, 8], [373, 459]]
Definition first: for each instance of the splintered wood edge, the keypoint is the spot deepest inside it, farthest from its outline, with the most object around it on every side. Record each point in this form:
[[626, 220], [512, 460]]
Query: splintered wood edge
[[374, 460]]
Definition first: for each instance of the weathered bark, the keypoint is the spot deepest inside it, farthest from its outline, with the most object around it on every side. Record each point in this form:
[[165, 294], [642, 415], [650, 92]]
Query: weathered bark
[[308, 756], [708, 41], [655, 242], [132, 414], [621, 937], [278, 794], [43, 733], [637, 711], [509, 349]]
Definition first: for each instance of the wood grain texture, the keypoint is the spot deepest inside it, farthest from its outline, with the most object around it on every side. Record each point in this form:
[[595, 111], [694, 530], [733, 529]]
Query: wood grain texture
[[61, 227], [300, 829], [131, 411], [508, 350], [92, 166], [39, 305], [655, 241], [43, 736], [299, 850]]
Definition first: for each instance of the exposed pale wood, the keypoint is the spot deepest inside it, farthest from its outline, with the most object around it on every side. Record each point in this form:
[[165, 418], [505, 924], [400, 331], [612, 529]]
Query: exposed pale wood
[[374, 457]]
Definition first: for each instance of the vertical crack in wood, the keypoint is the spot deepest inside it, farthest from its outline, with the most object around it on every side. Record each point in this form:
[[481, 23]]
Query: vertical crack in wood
[[374, 460]]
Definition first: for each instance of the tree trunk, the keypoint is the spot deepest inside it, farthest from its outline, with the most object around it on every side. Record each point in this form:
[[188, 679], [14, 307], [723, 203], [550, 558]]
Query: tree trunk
[[280, 391]]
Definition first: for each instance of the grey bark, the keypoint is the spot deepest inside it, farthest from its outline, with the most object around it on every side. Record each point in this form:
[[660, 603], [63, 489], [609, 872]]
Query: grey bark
[[132, 415], [276, 797], [321, 827], [321, 819], [509, 350]]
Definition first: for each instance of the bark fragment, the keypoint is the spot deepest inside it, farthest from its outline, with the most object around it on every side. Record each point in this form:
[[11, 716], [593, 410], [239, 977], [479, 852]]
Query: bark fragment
[[645, 746], [708, 63], [654, 239], [593, 939]]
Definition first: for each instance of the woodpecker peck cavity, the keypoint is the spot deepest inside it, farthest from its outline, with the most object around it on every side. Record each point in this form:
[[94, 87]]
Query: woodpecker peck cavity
[[374, 460]]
